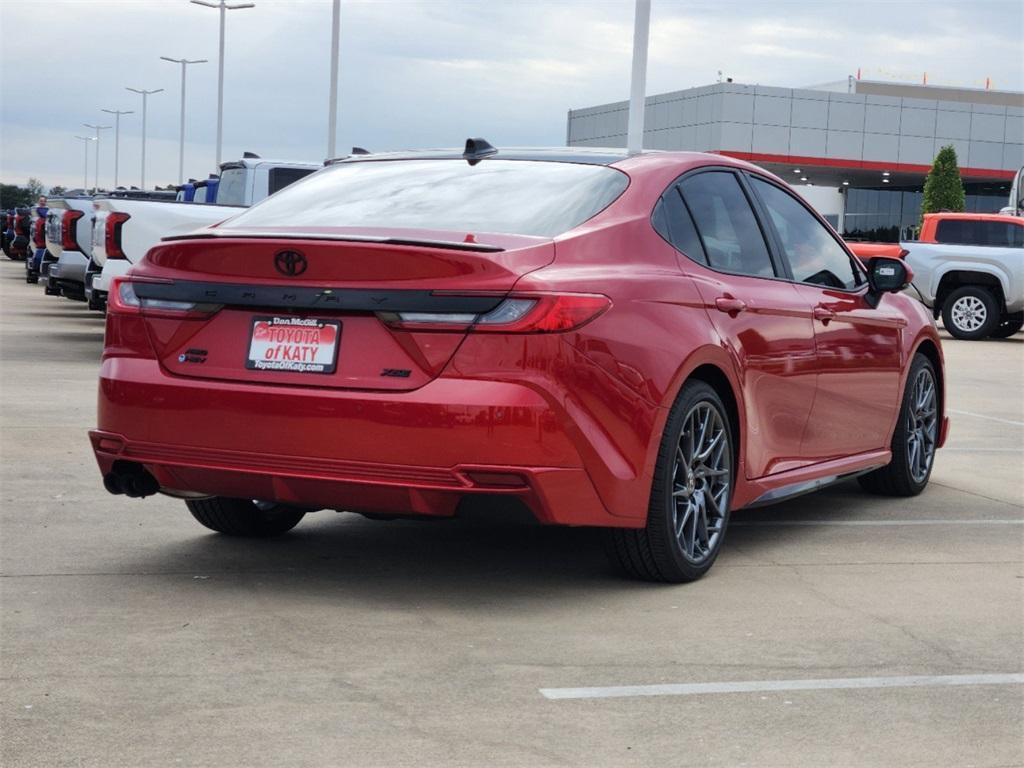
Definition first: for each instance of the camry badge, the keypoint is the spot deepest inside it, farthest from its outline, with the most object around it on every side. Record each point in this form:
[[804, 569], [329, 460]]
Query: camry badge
[[290, 263]]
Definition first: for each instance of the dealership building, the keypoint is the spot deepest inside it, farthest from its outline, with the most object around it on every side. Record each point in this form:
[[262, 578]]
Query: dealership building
[[858, 150]]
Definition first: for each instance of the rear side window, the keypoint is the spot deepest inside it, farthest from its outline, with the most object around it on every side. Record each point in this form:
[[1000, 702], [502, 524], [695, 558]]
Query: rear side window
[[516, 197], [1002, 234], [674, 222], [282, 177], [727, 227], [978, 232], [813, 254]]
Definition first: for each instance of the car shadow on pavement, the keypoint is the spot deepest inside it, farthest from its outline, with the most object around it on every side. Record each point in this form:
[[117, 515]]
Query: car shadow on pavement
[[68, 311], [482, 556]]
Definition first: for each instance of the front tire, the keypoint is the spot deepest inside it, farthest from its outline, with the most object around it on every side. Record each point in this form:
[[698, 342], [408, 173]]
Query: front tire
[[915, 439], [690, 496], [244, 517], [970, 313]]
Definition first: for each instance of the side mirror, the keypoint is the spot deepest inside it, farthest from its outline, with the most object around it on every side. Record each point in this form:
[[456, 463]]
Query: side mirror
[[886, 275]]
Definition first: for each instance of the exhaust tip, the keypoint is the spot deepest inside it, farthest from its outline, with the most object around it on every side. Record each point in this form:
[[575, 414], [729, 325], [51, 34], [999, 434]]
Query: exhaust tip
[[113, 484], [130, 479]]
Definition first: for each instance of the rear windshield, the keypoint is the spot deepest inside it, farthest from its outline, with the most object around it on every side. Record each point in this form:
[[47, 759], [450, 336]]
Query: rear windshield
[[232, 187], [519, 197]]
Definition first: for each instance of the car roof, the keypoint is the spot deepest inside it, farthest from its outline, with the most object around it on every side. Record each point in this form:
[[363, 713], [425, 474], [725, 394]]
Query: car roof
[[977, 217], [589, 155], [613, 156], [252, 162]]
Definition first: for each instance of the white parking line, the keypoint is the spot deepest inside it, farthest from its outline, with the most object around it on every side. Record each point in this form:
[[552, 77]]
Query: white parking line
[[989, 418], [696, 689], [937, 521]]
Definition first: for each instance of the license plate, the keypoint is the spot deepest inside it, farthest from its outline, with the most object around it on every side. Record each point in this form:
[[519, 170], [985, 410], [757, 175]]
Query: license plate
[[293, 344]]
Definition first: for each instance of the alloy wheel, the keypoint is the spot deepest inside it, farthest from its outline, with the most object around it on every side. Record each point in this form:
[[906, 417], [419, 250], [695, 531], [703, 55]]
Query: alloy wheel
[[701, 480], [969, 313], [922, 425]]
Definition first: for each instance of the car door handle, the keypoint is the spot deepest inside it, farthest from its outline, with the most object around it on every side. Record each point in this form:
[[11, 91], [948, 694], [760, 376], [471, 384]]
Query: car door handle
[[730, 305], [824, 314]]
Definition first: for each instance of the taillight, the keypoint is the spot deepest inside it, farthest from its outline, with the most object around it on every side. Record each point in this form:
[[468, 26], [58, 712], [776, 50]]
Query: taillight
[[68, 224], [39, 236], [523, 313], [112, 234], [123, 299]]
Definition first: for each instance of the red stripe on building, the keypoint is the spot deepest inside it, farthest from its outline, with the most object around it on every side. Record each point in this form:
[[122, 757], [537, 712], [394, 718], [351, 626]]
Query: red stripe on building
[[864, 165]]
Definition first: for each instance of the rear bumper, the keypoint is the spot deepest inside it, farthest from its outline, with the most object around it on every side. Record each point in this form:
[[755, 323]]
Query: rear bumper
[[415, 452]]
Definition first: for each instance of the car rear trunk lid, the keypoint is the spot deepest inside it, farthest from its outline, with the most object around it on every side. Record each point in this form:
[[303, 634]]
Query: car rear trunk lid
[[303, 311]]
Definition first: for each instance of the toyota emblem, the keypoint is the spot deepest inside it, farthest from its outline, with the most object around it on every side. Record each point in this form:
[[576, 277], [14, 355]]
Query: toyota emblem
[[291, 263]]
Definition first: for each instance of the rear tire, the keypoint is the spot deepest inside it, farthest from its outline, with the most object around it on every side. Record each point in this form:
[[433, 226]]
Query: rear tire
[[908, 472], [970, 313], [245, 518], [1010, 325], [690, 496]]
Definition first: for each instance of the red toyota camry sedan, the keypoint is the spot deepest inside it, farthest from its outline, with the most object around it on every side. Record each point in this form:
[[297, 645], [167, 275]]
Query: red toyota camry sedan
[[640, 343]]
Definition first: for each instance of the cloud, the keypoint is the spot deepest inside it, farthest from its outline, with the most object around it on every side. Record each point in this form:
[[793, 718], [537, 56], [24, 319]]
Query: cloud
[[417, 74]]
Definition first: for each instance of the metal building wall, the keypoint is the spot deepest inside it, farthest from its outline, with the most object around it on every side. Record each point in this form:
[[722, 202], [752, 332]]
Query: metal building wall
[[849, 129]]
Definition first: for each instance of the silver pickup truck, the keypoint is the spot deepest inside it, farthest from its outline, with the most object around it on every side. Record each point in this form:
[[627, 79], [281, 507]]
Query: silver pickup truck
[[969, 268]]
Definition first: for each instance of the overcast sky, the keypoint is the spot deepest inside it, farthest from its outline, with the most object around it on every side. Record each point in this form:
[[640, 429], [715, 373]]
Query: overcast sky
[[428, 74]]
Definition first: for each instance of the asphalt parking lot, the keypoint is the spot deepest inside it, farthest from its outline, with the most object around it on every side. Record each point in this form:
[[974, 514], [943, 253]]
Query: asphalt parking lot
[[131, 636]]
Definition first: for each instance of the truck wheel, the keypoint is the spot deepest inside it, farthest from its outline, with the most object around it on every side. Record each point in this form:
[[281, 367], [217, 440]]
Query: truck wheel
[[916, 436], [1010, 325], [690, 495], [244, 517], [970, 313]]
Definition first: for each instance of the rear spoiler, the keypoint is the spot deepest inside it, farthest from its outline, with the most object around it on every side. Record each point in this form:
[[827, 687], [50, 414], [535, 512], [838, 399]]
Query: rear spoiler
[[451, 245]]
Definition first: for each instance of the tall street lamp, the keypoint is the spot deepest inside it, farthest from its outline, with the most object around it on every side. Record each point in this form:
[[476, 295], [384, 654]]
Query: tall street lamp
[[181, 137], [96, 169], [332, 114], [223, 6], [117, 135], [145, 94], [85, 172], [638, 83]]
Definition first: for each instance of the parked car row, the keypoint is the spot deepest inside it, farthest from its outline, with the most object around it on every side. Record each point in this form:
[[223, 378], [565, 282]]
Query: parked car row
[[76, 244]]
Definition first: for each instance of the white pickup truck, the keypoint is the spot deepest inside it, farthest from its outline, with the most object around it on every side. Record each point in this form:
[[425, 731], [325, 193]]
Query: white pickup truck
[[968, 269], [68, 245], [124, 230]]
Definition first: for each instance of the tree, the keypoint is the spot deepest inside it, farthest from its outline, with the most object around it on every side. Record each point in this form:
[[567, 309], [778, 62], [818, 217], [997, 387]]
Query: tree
[[34, 187], [57, 191], [13, 196], [943, 189]]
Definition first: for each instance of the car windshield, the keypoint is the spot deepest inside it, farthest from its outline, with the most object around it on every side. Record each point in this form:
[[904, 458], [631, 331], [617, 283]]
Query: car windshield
[[520, 197]]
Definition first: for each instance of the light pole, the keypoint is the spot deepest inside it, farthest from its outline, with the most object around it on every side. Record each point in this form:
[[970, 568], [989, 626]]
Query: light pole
[[223, 7], [85, 172], [117, 135], [145, 94], [332, 115], [96, 184], [181, 138], [638, 86]]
